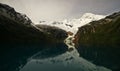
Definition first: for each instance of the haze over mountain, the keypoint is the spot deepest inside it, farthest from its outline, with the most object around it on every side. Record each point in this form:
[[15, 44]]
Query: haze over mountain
[[58, 10]]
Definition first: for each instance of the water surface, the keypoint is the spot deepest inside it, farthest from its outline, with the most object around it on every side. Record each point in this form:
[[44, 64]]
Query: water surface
[[59, 58]]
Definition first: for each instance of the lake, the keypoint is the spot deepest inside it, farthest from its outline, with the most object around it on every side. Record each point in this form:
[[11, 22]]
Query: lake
[[57, 57]]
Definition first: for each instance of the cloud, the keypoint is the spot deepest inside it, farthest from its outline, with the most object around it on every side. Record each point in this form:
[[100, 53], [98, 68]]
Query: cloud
[[61, 9]]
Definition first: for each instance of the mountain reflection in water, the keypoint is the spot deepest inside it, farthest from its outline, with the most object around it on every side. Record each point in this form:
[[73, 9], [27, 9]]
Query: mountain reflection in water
[[59, 57], [68, 61], [15, 56]]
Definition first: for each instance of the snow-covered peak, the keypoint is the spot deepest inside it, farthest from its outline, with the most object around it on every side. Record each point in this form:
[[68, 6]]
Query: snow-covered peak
[[73, 24], [92, 16]]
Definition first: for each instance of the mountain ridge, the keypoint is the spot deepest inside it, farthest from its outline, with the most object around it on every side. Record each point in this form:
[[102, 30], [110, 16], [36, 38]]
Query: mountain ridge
[[18, 28], [104, 31]]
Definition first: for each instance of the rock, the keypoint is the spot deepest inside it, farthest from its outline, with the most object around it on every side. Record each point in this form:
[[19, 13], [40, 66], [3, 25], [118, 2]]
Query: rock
[[70, 33]]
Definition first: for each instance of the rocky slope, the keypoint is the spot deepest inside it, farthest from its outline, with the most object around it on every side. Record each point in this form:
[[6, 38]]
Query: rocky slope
[[17, 27], [104, 31]]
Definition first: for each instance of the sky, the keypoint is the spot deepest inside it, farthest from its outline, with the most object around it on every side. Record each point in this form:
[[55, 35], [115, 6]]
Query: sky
[[58, 10]]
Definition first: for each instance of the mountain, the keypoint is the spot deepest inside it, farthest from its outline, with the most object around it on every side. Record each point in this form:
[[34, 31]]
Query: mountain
[[57, 33], [104, 31], [17, 27], [73, 24]]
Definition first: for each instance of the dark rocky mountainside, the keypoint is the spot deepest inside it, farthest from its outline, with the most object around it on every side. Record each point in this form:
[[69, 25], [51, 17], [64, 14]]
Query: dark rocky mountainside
[[104, 31], [53, 31], [17, 27]]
